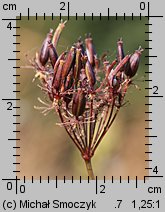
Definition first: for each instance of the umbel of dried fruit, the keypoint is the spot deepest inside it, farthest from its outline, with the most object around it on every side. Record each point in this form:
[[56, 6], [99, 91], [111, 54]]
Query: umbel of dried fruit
[[86, 92]]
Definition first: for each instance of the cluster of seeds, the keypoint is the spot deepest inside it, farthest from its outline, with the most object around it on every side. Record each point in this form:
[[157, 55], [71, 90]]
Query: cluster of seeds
[[85, 91]]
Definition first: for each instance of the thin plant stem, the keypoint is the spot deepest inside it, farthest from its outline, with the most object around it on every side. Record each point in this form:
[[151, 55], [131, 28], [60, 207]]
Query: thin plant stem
[[89, 169]]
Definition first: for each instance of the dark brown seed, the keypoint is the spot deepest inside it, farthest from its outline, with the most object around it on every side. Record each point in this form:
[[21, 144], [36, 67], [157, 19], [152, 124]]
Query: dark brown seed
[[79, 103], [90, 50], [133, 63], [69, 80], [78, 66], [61, 57], [120, 51], [118, 69], [57, 78], [69, 62], [44, 53], [90, 74], [52, 54]]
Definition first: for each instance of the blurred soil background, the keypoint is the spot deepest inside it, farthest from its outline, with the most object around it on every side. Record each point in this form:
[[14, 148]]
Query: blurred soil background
[[46, 149]]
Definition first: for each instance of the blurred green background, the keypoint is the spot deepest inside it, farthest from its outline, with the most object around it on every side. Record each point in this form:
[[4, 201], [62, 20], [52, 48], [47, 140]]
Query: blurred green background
[[46, 148]]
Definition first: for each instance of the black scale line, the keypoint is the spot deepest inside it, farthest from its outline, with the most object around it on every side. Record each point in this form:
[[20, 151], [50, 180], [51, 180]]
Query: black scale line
[[56, 181], [108, 13], [120, 179], [136, 181], [96, 185], [68, 10]]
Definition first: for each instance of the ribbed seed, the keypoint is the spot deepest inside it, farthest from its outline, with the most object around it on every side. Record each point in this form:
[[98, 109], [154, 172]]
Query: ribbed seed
[[57, 78], [120, 50], [90, 50], [90, 74], [133, 63], [79, 103], [78, 66], [44, 53], [52, 54], [69, 62]]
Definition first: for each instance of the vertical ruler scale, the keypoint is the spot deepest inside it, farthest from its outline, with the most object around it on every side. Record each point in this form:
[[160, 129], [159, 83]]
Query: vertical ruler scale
[[21, 191], [153, 94]]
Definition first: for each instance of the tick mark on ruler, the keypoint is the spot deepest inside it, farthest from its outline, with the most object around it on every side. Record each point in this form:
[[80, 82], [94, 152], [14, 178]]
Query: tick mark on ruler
[[108, 13], [154, 96], [14, 139], [148, 104], [128, 179], [56, 181], [14, 59], [136, 182], [100, 16], [151, 56], [11, 100], [132, 16], [120, 179], [148, 24], [96, 184], [148, 80], [28, 13], [84, 16]]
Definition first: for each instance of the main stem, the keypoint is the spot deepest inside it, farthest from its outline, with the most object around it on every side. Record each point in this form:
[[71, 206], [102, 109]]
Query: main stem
[[89, 169]]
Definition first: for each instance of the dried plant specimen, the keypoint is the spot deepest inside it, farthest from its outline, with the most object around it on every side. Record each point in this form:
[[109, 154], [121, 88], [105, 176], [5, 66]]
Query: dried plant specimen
[[86, 91]]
